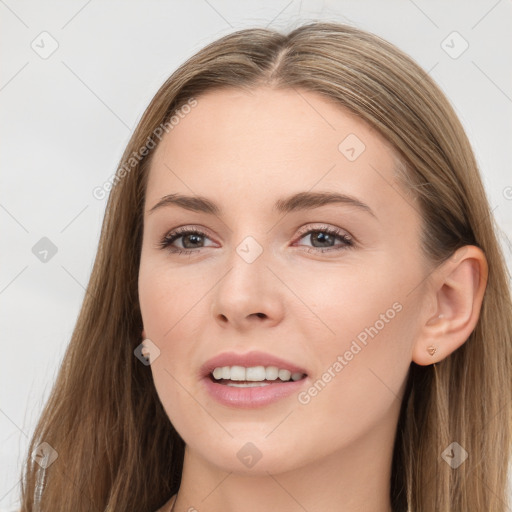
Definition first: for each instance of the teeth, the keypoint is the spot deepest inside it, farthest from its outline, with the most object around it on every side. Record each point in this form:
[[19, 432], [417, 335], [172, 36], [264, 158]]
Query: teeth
[[237, 373], [271, 372], [248, 384], [285, 374], [253, 374]]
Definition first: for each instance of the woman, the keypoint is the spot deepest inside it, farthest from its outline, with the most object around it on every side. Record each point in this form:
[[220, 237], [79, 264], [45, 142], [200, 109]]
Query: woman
[[298, 301]]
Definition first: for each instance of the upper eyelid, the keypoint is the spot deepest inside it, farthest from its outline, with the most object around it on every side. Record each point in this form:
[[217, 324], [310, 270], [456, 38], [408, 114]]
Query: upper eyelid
[[302, 230], [307, 229]]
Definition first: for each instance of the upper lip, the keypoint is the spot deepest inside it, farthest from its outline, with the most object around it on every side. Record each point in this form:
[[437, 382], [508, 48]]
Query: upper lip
[[248, 359]]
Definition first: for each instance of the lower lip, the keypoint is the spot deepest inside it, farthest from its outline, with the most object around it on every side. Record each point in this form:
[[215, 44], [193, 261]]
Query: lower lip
[[251, 397]]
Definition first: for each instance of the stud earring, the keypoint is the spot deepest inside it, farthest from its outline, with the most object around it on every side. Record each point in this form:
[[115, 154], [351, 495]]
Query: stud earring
[[432, 350]]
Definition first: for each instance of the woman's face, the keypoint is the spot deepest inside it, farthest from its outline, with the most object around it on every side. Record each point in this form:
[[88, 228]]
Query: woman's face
[[331, 287]]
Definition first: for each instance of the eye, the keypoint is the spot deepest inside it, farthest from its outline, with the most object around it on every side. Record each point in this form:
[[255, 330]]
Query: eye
[[191, 240], [323, 239]]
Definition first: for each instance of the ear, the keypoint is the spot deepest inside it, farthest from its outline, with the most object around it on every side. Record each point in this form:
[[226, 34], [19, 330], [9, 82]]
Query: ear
[[143, 334], [455, 297]]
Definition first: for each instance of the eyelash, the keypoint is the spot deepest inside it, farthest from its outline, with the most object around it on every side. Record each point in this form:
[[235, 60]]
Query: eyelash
[[167, 240]]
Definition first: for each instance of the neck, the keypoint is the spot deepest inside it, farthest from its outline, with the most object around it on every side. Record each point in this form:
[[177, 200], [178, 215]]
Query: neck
[[354, 478]]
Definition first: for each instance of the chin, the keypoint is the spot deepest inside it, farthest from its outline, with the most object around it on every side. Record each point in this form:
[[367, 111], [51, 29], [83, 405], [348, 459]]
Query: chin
[[256, 458]]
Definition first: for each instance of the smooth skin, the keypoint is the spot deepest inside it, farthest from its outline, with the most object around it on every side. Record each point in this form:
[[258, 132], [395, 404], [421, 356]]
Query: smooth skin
[[244, 151]]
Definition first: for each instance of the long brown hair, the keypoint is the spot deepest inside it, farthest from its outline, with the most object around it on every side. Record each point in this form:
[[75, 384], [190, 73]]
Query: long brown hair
[[117, 449]]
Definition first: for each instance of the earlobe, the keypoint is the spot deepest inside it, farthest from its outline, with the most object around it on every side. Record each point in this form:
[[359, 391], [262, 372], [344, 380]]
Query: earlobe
[[458, 287]]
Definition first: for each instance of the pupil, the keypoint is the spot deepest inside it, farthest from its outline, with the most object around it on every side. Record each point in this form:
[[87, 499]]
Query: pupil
[[324, 236], [195, 238]]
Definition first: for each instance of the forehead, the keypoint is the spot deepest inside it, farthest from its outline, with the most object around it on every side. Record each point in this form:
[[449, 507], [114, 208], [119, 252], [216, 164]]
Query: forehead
[[252, 143]]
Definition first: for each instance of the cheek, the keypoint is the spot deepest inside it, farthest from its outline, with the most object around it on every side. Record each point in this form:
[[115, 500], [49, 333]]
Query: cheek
[[353, 302], [166, 297], [363, 336], [172, 313], [359, 385]]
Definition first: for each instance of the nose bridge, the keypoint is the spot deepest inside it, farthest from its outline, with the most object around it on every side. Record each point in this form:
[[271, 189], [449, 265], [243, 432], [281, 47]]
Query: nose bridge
[[248, 272], [248, 290]]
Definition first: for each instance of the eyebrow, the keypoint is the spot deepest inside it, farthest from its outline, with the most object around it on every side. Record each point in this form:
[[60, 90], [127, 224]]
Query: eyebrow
[[296, 202]]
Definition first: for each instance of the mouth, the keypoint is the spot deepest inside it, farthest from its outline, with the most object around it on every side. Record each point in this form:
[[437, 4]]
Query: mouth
[[252, 379], [253, 376]]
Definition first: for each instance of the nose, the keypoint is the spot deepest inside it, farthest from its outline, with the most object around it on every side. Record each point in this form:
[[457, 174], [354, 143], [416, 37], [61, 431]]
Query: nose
[[248, 295]]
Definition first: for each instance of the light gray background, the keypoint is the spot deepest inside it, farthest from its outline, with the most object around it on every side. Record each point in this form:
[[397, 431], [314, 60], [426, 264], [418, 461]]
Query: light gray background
[[66, 119]]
